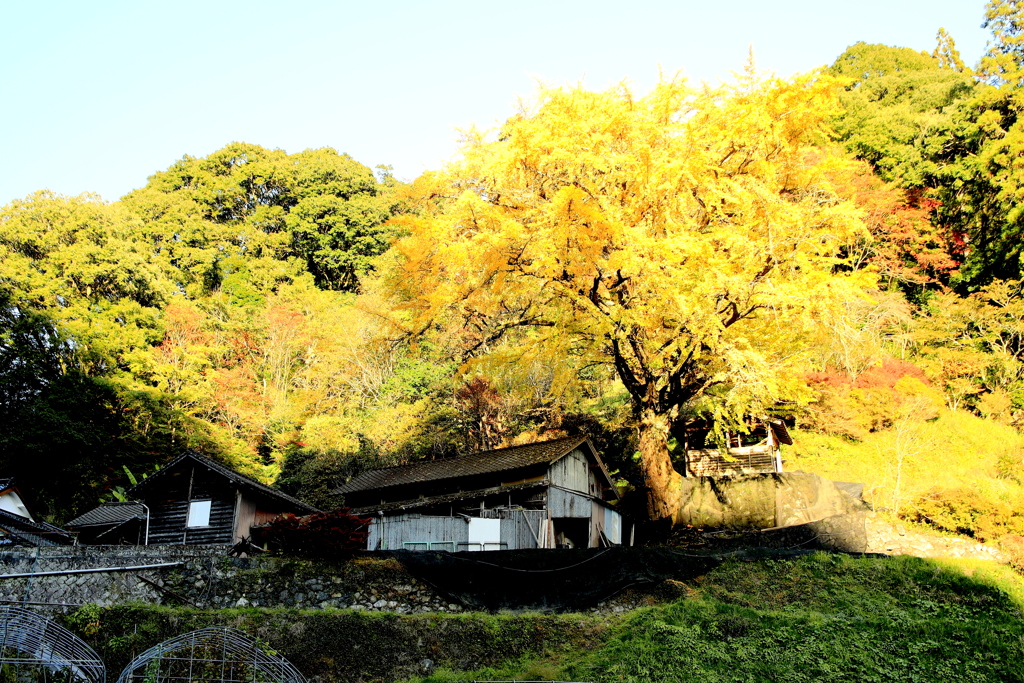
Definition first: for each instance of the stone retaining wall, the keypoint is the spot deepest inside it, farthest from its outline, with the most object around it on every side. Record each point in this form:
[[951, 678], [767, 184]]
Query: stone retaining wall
[[896, 539], [867, 532], [207, 578]]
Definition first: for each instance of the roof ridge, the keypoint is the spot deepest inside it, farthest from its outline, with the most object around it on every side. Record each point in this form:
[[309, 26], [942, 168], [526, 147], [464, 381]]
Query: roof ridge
[[226, 471], [491, 461], [582, 438]]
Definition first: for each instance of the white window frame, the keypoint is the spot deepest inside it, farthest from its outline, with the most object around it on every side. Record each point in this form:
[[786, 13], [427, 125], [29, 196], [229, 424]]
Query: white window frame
[[197, 511]]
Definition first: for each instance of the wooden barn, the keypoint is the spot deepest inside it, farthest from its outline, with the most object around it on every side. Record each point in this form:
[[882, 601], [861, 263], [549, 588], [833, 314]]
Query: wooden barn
[[541, 495], [190, 501], [757, 451]]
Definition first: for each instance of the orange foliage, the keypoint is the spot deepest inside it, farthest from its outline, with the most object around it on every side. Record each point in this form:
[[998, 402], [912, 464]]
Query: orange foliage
[[906, 247], [481, 403], [855, 405]]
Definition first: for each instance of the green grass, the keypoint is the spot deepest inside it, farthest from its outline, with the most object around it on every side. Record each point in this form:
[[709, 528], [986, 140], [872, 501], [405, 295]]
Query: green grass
[[817, 618]]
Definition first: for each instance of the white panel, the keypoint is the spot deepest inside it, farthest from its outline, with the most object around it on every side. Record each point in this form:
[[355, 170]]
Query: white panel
[[613, 526], [484, 534], [198, 513]]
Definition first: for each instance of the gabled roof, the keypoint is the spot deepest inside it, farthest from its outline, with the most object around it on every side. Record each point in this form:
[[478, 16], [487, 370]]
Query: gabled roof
[[7, 484], [109, 513], [24, 531], [485, 462], [234, 477]]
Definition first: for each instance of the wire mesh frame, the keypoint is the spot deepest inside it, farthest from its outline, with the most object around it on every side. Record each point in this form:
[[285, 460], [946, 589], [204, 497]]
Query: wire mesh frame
[[211, 655], [28, 638]]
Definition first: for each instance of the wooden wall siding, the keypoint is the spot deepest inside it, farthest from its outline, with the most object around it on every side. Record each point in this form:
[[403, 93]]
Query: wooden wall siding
[[245, 517], [711, 462], [523, 529], [568, 504], [168, 504], [265, 517], [519, 529], [428, 532], [167, 524], [572, 472], [596, 524]]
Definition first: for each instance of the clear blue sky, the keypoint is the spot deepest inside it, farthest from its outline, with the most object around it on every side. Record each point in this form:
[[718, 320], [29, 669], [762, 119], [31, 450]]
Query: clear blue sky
[[100, 94]]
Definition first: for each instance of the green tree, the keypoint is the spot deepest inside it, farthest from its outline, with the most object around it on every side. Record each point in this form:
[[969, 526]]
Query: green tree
[[88, 268], [252, 217], [894, 109], [1001, 64], [946, 54]]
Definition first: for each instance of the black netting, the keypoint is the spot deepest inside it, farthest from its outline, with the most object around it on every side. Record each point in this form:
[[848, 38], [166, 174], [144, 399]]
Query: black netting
[[571, 580], [559, 580]]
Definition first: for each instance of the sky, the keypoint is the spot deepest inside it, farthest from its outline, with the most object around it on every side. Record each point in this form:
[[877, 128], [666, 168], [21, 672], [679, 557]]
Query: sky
[[99, 95]]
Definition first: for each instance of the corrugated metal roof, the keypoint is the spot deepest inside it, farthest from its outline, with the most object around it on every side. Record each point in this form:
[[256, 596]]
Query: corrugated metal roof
[[485, 462], [227, 472], [781, 433], [31, 533], [449, 498], [109, 513]]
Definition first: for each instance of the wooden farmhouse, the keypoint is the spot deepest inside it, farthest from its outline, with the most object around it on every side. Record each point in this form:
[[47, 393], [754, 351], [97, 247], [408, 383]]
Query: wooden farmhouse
[[192, 500], [542, 495], [755, 452], [12, 501], [19, 527]]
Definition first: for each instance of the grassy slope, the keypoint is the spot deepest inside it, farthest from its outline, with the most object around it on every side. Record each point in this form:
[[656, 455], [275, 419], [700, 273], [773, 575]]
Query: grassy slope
[[956, 450], [821, 617]]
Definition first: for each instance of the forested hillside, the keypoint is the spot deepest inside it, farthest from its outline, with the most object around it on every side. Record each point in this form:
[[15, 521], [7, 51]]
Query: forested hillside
[[841, 249]]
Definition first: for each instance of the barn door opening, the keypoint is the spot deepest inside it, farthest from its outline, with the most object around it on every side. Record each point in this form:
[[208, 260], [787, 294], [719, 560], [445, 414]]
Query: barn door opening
[[572, 532]]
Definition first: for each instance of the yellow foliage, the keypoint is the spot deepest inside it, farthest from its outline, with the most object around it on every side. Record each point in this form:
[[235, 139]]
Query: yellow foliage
[[649, 221], [686, 237], [329, 433], [959, 465]]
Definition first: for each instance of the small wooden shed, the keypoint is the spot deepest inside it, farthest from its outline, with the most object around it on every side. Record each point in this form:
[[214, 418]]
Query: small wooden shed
[[543, 495], [113, 523], [754, 452], [190, 501]]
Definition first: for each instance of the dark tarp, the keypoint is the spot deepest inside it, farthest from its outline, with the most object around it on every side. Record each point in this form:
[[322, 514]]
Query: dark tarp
[[576, 579], [547, 580]]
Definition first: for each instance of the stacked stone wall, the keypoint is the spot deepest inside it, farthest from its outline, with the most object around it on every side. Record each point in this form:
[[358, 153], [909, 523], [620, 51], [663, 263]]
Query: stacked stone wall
[[206, 577]]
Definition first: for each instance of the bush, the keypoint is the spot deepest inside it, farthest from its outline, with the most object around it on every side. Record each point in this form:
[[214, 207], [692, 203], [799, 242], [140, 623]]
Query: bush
[[872, 401], [320, 535], [967, 511]]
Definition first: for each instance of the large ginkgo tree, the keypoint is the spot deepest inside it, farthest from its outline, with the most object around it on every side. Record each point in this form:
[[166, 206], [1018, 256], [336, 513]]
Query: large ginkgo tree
[[687, 238]]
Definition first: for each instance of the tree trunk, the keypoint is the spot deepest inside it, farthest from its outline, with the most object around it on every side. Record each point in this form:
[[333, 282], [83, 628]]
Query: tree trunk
[[663, 482]]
